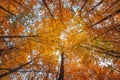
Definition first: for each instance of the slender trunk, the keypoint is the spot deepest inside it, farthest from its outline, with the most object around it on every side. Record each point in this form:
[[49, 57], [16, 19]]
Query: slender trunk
[[61, 75]]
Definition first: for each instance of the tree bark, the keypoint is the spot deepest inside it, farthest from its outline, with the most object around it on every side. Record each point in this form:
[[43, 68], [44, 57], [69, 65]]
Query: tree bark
[[61, 75]]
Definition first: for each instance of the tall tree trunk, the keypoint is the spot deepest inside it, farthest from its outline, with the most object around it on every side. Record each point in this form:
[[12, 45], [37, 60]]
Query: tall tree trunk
[[61, 75]]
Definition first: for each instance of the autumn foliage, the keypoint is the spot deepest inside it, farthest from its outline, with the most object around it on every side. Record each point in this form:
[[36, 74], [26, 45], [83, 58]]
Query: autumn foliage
[[59, 39]]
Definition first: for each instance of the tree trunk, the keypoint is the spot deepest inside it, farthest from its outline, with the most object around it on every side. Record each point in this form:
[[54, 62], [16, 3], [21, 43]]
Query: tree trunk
[[61, 75]]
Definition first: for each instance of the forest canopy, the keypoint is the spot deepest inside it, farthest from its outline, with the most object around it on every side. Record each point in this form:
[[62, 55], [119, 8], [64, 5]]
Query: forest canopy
[[59, 39]]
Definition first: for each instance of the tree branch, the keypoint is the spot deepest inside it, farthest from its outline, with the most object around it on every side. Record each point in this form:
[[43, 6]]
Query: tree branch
[[15, 69]]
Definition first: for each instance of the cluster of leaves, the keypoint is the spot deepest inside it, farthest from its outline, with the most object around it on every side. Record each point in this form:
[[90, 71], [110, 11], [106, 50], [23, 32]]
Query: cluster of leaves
[[60, 39]]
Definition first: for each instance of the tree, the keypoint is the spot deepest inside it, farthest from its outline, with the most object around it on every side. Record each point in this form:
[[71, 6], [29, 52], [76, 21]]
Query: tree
[[59, 39]]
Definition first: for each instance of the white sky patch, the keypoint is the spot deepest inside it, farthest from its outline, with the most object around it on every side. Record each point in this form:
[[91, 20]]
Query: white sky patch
[[76, 8], [14, 77], [51, 6], [40, 0], [40, 62], [7, 31], [59, 57], [23, 75], [57, 52], [96, 1], [57, 68], [66, 4], [38, 12], [63, 36], [29, 58], [98, 26], [34, 52], [79, 31], [71, 28], [90, 15], [105, 62], [36, 6]]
